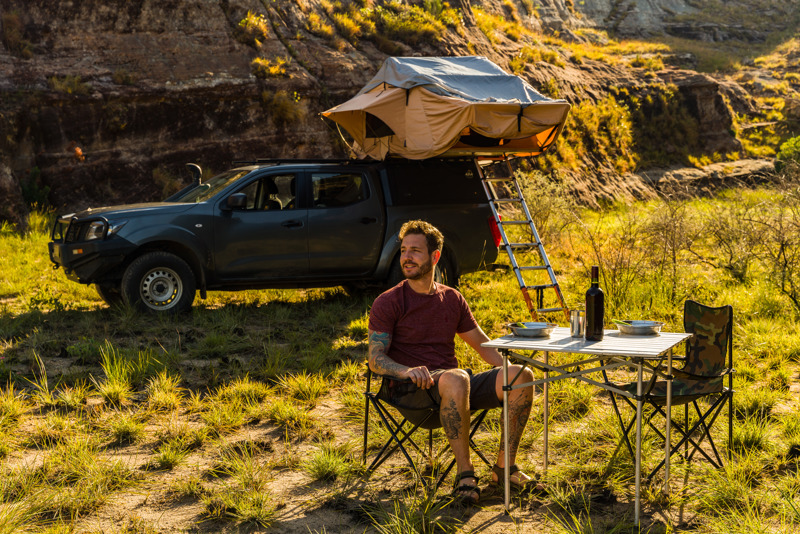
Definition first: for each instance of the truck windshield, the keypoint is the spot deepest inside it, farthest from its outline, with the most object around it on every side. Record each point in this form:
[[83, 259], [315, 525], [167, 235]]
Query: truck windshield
[[211, 187]]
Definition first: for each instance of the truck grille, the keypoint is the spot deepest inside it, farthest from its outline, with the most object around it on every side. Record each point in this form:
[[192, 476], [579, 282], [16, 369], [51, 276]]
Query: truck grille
[[69, 231]]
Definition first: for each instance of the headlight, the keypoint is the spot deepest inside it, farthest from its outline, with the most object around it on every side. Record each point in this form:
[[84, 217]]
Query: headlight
[[95, 230], [115, 226]]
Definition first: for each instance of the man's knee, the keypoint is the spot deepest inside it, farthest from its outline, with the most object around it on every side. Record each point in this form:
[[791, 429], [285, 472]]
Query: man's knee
[[454, 382], [524, 375]]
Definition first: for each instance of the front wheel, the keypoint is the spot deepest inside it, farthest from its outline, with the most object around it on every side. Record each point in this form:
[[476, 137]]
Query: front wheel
[[159, 282]]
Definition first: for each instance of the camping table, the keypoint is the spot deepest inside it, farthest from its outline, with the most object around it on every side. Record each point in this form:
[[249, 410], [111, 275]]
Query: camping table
[[615, 350]]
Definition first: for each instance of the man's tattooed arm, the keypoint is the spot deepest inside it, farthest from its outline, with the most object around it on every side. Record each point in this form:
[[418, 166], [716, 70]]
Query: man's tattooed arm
[[379, 362]]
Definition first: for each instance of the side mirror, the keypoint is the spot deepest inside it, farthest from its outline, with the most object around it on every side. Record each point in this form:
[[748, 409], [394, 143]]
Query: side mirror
[[195, 171], [236, 201]]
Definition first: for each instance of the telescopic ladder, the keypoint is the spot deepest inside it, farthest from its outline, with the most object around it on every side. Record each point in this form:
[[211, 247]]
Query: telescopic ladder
[[518, 234]]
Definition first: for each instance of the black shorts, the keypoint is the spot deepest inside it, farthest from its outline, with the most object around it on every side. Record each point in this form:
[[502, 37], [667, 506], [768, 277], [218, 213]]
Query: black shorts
[[422, 405]]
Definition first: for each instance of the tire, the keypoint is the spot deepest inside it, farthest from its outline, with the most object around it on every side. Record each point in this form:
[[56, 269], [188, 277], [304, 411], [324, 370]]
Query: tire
[[110, 293], [443, 273], [159, 282]]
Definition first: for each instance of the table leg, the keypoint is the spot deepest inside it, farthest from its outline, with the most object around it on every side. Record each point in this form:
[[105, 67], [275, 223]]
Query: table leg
[[668, 444], [546, 415], [506, 474], [638, 462]]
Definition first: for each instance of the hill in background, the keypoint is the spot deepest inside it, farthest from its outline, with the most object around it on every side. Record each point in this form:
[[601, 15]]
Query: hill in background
[[104, 101]]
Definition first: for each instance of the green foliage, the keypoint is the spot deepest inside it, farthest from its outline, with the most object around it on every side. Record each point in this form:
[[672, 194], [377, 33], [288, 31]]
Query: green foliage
[[789, 151], [253, 29], [284, 108], [532, 54], [71, 85], [34, 193], [329, 462], [412, 512], [664, 131], [408, 23], [13, 36], [599, 131], [266, 68]]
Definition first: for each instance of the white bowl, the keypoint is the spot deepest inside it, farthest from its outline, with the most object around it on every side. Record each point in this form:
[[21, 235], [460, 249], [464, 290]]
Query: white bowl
[[531, 329], [640, 328]]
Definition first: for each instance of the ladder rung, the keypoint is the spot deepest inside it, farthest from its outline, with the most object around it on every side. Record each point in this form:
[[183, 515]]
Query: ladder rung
[[533, 268], [506, 200], [498, 179], [541, 286], [549, 310], [523, 245], [515, 222]]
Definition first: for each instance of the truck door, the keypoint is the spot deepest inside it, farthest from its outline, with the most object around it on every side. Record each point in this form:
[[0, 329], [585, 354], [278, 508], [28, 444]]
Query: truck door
[[268, 238], [345, 224]]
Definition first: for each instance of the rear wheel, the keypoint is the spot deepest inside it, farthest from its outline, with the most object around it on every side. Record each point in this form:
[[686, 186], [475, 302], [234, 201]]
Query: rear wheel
[[159, 282], [110, 293]]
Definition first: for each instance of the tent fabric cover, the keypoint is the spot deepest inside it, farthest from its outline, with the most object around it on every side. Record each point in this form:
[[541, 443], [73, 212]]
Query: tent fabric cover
[[420, 108]]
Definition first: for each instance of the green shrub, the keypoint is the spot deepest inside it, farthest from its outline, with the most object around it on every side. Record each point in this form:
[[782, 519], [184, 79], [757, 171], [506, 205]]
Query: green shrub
[[13, 35], [285, 108], [410, 24], [72, 85], [253, 29], [789, 151], [265, 68]]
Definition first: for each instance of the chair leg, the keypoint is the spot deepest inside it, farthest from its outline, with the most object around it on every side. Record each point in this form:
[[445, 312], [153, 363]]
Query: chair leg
[[686, 440], [398, 436], [366, 429]]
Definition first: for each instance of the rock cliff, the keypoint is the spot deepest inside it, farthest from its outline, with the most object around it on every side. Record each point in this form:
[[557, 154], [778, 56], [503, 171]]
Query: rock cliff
[[103, 101]]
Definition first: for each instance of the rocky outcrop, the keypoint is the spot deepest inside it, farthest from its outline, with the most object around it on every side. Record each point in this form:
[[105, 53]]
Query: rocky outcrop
[[104, 101], [12, 207]]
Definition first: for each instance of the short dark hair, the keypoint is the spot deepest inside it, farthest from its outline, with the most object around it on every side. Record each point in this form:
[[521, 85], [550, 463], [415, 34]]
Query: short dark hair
[[433, 237]]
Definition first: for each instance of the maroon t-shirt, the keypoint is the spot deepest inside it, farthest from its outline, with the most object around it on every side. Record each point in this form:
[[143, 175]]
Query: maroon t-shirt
[[423, 327]]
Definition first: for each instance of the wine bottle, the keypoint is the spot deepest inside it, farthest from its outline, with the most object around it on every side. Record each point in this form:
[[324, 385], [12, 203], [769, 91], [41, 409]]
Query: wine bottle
[[595, 308]]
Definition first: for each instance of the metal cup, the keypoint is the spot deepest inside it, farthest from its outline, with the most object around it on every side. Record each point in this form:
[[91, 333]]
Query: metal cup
[[576, 319]]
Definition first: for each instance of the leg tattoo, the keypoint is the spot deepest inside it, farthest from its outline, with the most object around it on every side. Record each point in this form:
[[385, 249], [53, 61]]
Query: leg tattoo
[[451, 420]]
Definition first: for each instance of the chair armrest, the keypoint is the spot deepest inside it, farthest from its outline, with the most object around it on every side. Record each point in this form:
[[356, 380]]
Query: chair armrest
[[683, 374]]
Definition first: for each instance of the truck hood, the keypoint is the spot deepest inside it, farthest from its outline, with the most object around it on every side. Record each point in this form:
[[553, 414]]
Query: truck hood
[[133, 210]]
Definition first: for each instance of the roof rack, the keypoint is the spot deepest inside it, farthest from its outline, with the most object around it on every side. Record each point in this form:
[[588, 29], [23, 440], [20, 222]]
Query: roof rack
[[289, 161]]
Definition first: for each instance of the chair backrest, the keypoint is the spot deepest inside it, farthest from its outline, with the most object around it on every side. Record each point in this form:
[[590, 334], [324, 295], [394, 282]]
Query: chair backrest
[[711, 344]]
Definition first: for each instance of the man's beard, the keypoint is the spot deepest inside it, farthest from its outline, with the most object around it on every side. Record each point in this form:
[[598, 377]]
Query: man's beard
[[422, 270]]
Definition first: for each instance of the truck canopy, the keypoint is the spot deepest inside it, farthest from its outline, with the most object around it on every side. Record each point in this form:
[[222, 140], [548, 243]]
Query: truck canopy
[[420, 108]]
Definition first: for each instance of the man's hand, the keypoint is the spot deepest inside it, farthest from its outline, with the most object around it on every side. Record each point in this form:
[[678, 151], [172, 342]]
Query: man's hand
[[420, 376]]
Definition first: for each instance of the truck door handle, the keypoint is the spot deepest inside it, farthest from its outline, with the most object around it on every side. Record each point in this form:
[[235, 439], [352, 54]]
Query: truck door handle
[[368, 220], [292, 224]]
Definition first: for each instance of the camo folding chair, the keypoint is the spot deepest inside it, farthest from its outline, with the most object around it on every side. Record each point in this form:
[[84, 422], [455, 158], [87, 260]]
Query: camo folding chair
[[402, 423], [709, 360]]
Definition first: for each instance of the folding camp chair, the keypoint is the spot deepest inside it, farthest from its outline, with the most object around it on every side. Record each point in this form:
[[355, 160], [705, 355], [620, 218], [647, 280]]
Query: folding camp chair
[[702, 375], [401, 429]]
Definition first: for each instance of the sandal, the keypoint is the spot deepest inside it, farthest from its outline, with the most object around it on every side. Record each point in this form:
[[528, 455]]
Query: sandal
[[464, 492], [531, 484]]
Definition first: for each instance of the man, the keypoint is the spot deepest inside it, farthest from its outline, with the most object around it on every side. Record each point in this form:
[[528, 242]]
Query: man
[[412, 327]]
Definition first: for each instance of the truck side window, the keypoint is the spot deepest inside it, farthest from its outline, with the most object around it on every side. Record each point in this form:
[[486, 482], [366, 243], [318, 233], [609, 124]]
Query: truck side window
[[269, 193], [333, 190]]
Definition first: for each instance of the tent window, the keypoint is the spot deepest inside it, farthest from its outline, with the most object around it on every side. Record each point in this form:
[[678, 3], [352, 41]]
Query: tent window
[[375, 127]]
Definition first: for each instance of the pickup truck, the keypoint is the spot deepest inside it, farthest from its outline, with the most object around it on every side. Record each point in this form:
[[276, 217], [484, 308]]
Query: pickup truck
[[277, 224]]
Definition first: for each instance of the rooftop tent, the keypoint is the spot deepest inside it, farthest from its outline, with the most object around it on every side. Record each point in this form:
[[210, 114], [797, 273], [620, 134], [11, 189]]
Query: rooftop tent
[[420, 108]]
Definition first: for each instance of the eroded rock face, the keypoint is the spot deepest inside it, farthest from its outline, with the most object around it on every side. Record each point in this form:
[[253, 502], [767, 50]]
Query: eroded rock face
[[109, 99], [12, 208]]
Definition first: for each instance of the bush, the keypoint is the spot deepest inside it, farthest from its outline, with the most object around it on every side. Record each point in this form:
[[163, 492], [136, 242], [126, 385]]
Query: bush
[[253, 29], [72, 85], [13, 36], [789, 151]]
